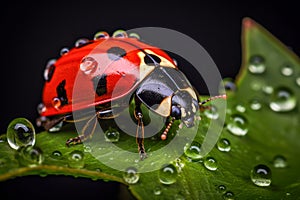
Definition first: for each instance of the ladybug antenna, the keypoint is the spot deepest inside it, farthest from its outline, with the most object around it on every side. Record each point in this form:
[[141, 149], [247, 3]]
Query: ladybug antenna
[[223, 96], [164, 135]]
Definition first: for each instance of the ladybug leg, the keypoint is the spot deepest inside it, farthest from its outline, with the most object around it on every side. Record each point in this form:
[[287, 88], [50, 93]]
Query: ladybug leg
[[201, 104], [140, 133], [164, 134], [87, 131]]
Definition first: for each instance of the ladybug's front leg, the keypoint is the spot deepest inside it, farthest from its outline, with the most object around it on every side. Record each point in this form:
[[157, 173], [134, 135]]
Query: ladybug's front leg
[[140, 131]]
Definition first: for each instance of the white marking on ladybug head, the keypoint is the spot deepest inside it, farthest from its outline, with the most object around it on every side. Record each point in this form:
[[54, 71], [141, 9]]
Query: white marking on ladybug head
[[164, 107], [144, 69], [194, 108], [183, 112]]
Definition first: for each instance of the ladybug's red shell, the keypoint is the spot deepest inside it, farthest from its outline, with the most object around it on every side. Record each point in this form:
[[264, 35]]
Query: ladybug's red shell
[[96, 68]]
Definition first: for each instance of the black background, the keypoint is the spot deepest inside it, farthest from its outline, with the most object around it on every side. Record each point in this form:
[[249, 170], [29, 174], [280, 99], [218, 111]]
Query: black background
[[32, 33]]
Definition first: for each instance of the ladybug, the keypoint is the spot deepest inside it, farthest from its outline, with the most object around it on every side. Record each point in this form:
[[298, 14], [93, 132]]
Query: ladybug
[[107, 69]]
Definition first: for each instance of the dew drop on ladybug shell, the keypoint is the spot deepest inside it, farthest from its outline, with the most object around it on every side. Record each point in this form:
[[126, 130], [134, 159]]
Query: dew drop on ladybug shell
[[134, 35], [88, 65], [49, 70], [41, 108], [64, 51], [120, 34], [101, 35], [81, 42], [56, 103]]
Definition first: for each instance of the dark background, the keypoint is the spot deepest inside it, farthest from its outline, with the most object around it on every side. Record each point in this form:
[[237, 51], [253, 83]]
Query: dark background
[[32, 33]]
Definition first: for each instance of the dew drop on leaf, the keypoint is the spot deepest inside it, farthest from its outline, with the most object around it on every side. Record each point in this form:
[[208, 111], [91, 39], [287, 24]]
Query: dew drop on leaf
[[287, 70], [283, 100], [56, 154], [224, 145], [210, 163], [279, 161], [157, 190], [212, 112], [261, 175], [255, 104], [30, 156], [257, 64], [240, 108], [298, 81], [227, 85], [111, 135], [221, 188], [193, 150], [168, 174], [20, 133], [76, 159], [237, 125], [131, 175], [228, 195]]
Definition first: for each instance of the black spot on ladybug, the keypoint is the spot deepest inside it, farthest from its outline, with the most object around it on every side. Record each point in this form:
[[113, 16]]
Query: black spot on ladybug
[[50, 72], [115, 53], [62, 93], [151, 59], [100, 84]]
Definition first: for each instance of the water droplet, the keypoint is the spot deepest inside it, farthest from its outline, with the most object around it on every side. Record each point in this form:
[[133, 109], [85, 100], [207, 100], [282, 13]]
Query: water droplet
[[64, 51], [221, 188], [101, 35], [212, 112], [134, 35], [228, 195], [56, 154], [261, 175], [56, 103], [81, 42], [56, 128], [283, 100], [267, 89], [131, 176], [224, 145], [227, 85], [120, 34], [41, 108], [168, 174], [49, 70], [30, 156], [279, 161], [238, 125], [87, 149], [20, 132], [210, 163], [240, 108], [112, 135], [255, 104], [298, 81], [287, 70], [88, 65], [157, 190], [193, 150], [257, 64], [76, 159], [179, 164]]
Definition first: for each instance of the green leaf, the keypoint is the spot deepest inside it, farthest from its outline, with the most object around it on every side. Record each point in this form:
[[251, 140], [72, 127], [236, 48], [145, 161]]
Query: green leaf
[[262, 123]]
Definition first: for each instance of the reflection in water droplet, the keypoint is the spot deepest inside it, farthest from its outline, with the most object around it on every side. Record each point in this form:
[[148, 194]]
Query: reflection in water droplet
[[257, 64], [212, 112], [64, 51], [238, 125], [279, 161], [134, 35], [210, 163], [20, 133], [229, 86], [287, 70], [30, 156], [261, 175], [221, 188], [101, 35], [76, 159], [81, 42], [49, 70], [283, 100], [240, 108], [168, 174], [131, 176], [255, 104], [112, 135], [88, 65], [193, 150], [157, 190], [56, 154], [224, 145], [228, 195], [120, 34]]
